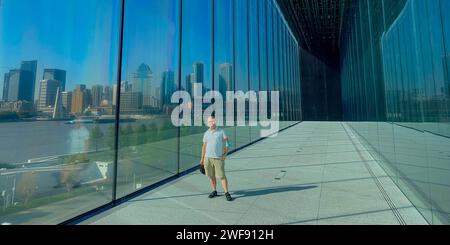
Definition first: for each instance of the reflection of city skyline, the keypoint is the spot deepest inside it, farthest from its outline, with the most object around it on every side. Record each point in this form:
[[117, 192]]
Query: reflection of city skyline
[[224, 77], [19, 86], [142, 95], [52, 99]]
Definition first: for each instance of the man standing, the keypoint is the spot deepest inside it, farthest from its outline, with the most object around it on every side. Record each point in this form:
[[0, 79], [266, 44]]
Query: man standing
[[214, 153]]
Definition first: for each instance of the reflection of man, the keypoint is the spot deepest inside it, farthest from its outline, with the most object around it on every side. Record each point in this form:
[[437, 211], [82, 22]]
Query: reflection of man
[[214, 153]]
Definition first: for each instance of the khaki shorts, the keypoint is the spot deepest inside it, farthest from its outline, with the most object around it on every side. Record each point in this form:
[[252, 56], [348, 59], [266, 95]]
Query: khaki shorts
[[214, 167]]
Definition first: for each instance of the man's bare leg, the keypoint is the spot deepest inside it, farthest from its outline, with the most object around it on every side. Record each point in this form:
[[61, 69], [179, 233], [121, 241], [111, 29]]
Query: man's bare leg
[[225, 184], [213, 183]]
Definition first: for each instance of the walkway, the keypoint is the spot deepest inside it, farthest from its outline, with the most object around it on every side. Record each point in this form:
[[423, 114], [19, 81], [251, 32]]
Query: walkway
[[312, 173]]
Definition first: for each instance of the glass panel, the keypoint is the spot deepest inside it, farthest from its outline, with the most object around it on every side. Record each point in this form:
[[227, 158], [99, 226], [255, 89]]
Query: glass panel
[[283, 72], [270, 48], [263, 44], [241, 40], [223, 55], [148, 141], [406, 68], [439, 147], [254, 60], [196, 74], [56, 156], [277, 60]]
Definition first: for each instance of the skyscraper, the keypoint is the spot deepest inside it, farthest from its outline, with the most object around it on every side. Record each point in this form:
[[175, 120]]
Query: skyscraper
[[79, 99], [97, 95], [47, 93], [107, 94], [125, 86], [30, 66], [198, 73], [131, 103], [225, 78], [5, 87], [142, 82], [188, 83], [56, 74], [88, 98], [114, 95], [66, 98], [20, 85], [168, 87]]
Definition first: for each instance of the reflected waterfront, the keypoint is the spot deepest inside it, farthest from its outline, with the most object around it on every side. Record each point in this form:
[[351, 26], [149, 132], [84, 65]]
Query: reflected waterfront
[[60, 139]]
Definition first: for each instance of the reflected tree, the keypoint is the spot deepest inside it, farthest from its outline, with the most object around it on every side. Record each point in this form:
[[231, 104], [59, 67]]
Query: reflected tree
[[69, 178], [141, 137], [152, 132], [76, 159], [27, 186], [111, 137], [125, 136], [96, 136]]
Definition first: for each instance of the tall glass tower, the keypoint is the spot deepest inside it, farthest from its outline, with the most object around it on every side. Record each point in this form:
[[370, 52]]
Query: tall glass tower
[[56, 74]]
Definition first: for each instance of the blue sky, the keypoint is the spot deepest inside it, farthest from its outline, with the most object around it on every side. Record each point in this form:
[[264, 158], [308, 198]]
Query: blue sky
[[79, 36], [151, 36]]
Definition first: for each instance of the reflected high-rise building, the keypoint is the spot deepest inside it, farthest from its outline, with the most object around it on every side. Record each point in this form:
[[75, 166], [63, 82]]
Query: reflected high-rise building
[[5, 87], [188, 83], [30, 66], [197, 76], [56, 74], [107, 94], [97, 95], [225, 78], [197, 89], [20, 85], [80, 99], [168, 87], [198, 72], [131, 103], [66, 99], [114, 95], [88, 98], [125, 86], [47, 94], [142, 82]]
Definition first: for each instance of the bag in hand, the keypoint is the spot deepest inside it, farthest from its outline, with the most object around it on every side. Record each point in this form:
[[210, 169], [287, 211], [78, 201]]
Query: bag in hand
[[202, 169]]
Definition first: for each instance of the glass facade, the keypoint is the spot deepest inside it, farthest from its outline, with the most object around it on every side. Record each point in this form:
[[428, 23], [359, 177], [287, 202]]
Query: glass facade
[[319, 85], [86, 115], [148, 141], [396, 93]]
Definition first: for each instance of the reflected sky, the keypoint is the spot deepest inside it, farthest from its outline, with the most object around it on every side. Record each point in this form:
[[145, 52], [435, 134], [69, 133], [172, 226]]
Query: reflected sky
[[153, 38], [197, 38], [79, 36]]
